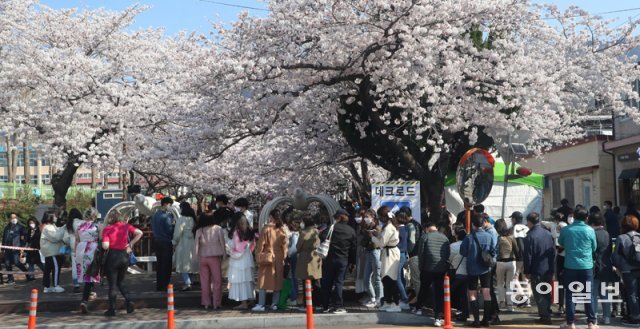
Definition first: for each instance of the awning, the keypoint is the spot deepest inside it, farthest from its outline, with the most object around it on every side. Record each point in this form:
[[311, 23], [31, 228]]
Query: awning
[[630, 174]]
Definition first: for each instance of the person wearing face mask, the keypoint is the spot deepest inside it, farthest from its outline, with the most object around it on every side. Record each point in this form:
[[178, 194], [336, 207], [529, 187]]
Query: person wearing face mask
[[163, 228], [242, 205], [308, 265], [50, 243], [33, 241], [14, 236], [360, 258], [372, 279]]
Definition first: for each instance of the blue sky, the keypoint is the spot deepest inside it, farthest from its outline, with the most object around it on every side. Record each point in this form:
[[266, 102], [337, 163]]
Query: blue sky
[[176, 15]]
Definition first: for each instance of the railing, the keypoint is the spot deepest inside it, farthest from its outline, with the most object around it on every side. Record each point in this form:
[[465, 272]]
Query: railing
[[13, 190]]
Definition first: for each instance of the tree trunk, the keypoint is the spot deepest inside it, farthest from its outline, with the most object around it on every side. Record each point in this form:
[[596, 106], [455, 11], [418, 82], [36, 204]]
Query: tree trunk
[[61, 182], [27, 165], [432, 196]]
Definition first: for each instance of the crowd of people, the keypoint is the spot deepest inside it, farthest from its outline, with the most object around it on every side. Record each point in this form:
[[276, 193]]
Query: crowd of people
[[398, 263]]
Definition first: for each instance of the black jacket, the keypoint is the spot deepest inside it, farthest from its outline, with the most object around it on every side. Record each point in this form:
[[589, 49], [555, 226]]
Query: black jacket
[[343, 243], [14, 235], [539, 252]]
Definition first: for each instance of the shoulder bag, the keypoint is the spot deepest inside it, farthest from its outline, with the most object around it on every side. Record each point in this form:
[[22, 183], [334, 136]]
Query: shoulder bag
[[323, 249]]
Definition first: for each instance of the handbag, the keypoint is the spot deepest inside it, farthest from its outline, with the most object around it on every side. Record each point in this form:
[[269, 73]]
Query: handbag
[[266, 256], [487, 259], [323, 249]]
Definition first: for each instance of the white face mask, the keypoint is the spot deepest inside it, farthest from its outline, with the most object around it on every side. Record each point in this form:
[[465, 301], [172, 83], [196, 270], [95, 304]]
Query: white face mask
[[14, 221], [368, 220], [570, 220], [358, 220], [302, 226], [32, 225], [237, 209]]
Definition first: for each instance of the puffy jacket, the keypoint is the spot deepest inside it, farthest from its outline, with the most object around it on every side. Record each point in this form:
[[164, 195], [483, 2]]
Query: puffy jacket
[[469, 249], [433, 252], [51, 240]]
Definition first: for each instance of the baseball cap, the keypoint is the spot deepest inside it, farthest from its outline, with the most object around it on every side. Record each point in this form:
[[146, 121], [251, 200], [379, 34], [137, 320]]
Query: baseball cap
[[516, 215]]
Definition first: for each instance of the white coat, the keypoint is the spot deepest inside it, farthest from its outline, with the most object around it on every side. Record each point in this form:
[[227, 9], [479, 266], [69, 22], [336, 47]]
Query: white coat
[[389, 257]]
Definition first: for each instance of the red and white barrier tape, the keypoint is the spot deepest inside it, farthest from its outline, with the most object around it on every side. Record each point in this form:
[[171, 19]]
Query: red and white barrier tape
[[18, 248]]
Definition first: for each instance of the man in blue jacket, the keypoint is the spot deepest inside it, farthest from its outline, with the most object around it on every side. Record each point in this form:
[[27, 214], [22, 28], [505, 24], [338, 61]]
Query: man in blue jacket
[[472, 246], [14, 235], [579, 243], [538, 262], [162, 225]]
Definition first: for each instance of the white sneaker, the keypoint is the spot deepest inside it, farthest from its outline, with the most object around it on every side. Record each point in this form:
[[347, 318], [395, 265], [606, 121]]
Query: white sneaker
[[258, 308], [57, 289], [47, 290], [371, 305], [393, 309], [384, 307], [418, 312], [438, 323], [404, 306], [274, 307]]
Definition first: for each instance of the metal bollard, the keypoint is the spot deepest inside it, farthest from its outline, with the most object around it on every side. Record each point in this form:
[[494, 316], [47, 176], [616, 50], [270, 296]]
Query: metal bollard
[[32, 309], [170, 308], [309, 302], [447, 304]]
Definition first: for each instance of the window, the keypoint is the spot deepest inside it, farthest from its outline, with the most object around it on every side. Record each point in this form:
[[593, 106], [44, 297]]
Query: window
[[555, 192], [20, 156], [46, 179], [3, 160], [113, 175], [83, 175], [568, 191], [4, 178], [586, 192], [44, 161], [33, 180], [33, 159], [20, 179]]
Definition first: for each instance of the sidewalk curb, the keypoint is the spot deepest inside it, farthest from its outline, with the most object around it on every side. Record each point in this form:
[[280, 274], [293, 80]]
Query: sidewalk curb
[[256, 321]]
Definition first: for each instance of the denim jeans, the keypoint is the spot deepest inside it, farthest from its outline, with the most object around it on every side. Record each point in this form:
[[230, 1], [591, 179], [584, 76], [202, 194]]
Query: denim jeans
[[401, 282], [12, 257], [186, 278], [598, 293], [293, 294], [631, 285], [333, 271], [372, 279], [585, 277]]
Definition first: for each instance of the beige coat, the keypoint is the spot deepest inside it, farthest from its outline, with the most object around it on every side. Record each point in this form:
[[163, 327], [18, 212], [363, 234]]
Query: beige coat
[[389, 257], [308, 265], [183, 239], [270, 277]]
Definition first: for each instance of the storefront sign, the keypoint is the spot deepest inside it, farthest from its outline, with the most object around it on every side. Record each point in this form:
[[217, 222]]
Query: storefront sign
[[397, 194]]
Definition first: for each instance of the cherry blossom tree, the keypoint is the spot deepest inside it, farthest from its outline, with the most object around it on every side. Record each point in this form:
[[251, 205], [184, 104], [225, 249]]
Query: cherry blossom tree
[[86, 88], [411, 84]]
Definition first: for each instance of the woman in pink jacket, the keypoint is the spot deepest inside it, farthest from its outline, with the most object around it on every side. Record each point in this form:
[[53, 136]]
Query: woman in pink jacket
[[210, 249]]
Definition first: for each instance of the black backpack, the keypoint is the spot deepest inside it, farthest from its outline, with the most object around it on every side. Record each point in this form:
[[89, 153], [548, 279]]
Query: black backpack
[[633, 257]]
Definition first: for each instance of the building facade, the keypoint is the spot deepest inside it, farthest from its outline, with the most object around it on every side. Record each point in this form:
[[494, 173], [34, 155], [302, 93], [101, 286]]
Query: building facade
[[581, 172]]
